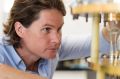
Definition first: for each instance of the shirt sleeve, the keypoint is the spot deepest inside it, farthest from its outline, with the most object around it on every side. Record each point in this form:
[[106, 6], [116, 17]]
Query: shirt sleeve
[[104, 45], [1, 58], [74, 47]]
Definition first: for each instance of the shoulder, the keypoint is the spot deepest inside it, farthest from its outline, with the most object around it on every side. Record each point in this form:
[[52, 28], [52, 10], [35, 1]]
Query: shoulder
[[1, 50], [5, 49], [3, 45], [3, 40]]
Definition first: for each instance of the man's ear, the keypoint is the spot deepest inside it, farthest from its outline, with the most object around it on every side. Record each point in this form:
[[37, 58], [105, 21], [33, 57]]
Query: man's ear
[[19, 28]]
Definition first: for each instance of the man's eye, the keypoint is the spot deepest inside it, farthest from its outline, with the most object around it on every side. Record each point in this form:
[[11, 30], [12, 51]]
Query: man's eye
[[46, 30]]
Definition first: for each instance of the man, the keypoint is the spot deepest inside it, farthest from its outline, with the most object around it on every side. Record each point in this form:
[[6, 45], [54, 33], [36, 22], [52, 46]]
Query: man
[[32, 40]]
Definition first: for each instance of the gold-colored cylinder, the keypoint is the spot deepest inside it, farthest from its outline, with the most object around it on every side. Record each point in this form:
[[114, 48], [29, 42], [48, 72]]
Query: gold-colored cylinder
[[95, 39]]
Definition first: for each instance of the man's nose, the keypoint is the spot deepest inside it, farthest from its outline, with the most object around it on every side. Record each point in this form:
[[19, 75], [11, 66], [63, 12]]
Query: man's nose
[[55, 38]]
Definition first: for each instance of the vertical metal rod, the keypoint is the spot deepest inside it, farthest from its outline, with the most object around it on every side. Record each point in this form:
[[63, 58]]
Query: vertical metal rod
[[95, 45], [100, 74], [95, 39]]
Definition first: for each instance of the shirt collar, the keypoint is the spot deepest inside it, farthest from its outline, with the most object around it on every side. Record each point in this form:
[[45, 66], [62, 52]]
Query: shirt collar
[[16, 57], [20, 63]]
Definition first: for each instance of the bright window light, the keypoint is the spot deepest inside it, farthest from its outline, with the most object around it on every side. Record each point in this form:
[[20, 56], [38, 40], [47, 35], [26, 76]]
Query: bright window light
[[7, 5], [117, 1]]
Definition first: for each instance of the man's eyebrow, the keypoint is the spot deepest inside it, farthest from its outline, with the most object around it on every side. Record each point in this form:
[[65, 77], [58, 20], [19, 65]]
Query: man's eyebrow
[[49, 25], [53, 25]]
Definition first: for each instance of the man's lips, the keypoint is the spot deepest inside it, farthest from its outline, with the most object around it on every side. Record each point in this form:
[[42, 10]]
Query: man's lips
[[54, 49]]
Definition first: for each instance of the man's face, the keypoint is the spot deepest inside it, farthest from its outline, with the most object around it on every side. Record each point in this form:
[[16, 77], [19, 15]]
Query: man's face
[[42, 39]]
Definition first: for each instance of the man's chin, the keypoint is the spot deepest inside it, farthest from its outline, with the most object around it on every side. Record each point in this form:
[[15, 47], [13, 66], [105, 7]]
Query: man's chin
[[52, 56]]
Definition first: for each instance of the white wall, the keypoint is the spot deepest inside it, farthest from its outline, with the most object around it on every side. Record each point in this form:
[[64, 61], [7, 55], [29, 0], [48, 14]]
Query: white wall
[[1, 15], [5, 6], [75, 27]]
